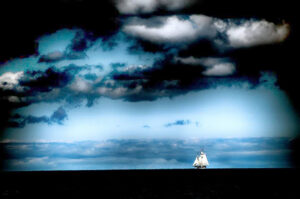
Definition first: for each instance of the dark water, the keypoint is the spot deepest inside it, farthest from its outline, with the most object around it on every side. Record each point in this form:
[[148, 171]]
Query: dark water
[[209, 183]]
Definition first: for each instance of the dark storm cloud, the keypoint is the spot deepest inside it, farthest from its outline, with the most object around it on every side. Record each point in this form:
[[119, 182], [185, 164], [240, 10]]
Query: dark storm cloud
[[57, 117], [25, 88], [178, 123], [18, 121], [232, 44], [22, 30], [222, 153], [170, 78], [77, 48], [166, 78], [45, 81], [80, 42], [39, 83], [33, 120], [52, 85], [178, 36], [101, 18]]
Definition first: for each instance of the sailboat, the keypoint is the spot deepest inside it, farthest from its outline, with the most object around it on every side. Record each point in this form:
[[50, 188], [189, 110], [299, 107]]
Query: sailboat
[[201, 161]]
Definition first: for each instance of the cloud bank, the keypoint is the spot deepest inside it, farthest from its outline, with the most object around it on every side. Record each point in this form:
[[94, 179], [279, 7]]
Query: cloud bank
[[146, 154]]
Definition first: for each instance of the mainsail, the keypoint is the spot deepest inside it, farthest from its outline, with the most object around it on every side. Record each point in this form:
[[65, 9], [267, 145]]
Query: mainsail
[[201, 161]]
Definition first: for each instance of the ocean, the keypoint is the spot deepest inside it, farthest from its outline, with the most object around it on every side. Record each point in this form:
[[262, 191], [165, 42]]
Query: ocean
[[168, 183]]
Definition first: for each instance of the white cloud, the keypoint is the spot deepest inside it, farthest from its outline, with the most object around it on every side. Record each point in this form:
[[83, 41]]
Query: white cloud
[[148, 6], [188, 29], [118, 92], [80, 85], [214, 66], [9, 80], [112, 92], [252, 33], [174, 29], [220, 25], [133, 68], [13, 99], [222, 69]]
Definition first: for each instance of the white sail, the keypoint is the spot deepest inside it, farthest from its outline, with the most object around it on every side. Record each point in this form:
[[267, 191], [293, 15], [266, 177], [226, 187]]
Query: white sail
[[201, 161], [196, 162]]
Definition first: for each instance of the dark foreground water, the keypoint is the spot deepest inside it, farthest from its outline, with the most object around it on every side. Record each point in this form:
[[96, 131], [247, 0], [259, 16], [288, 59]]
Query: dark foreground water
[[210, 183]]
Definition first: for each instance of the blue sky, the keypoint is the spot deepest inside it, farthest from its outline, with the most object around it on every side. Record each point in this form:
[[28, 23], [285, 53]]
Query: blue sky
[[144, 87], [213, 113]]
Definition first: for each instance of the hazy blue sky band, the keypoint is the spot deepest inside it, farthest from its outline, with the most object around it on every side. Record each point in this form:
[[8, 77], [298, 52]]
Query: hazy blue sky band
[[147, 154]]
